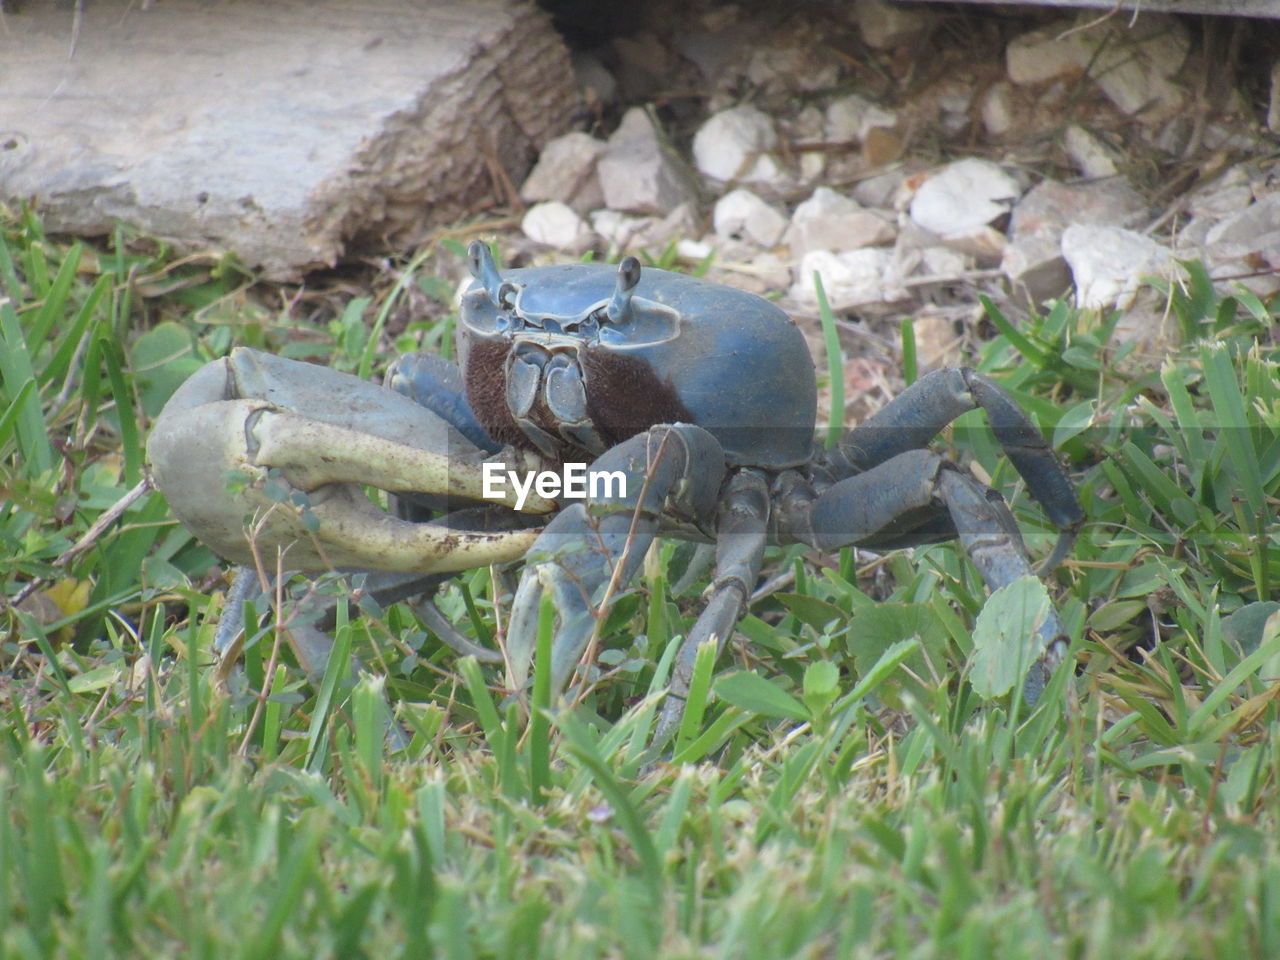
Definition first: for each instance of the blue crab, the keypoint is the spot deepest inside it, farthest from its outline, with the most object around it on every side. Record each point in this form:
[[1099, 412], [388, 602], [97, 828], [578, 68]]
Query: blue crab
[[700, 399]]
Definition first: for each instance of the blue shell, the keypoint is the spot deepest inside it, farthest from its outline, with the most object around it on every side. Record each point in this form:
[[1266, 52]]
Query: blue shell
[[737, 363]]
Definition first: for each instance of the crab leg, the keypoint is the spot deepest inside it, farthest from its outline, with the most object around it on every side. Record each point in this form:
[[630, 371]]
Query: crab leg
[[740, 542], [889, 502], [672, 471], [913, 418]]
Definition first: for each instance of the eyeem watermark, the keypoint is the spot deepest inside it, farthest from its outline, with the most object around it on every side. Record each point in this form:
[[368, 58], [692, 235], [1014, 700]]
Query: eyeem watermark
[[575, 483]]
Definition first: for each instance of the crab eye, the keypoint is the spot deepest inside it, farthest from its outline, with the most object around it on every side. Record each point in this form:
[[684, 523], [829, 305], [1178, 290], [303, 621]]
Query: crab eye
[[619, 308], [485, 269]]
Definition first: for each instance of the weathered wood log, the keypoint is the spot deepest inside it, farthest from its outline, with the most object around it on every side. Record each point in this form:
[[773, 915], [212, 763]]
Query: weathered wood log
[[286, 131]]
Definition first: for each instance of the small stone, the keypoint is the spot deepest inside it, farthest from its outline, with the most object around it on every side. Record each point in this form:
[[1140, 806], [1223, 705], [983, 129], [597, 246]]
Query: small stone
[[986, 245], [997, 109], [612, 226], [1045, 54], [566, 171], [1131, 66], [813, 164], [1135, 68], [742, 215], [943, 262], [735, 144], [850, 118], [1033, 257], [884, 26], [880, 190], [694, 251], [791, 69], [639, 174], [594, 79], [1247, 245], [954, 99], [963, 197], [679, 223], [937, 340], [630, 233], [881, 147], [1091, 156], [849, 279], [1273, 108], [1228, 194], [555, 224], [831, 221], [1108, 264]]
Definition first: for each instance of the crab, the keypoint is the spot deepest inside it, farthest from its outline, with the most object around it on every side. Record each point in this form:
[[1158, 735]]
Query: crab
[[697, 401]]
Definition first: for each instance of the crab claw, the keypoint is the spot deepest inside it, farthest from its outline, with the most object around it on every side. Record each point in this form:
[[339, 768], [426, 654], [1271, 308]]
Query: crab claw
[[289, 443]]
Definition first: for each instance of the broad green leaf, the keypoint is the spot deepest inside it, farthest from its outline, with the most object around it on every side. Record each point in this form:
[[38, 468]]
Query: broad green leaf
[[1005, 642], [752, 692], [821, 686]]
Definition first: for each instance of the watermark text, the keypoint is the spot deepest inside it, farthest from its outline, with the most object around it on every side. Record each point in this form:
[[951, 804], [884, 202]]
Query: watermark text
[[576, 482]]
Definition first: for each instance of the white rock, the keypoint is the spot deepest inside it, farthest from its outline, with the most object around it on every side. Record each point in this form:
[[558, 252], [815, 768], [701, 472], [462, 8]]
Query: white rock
[[1228, 194], [849, 279], [628, 233], [986, 245], [1108, 264], [1256, 227], [743, 215], [594, 79], [553, 223], [639, 174], [734, 144], [880, 190], [884, 26], [1132, 66], [963, 197], [943, 262], [1229, 136], [852, 117], [679, 223], [997, 109], [1091, 156], [790, 69], [1045, 54], [611, 225], [1248, 242], [1273, 107], [694, 251], [1033, 258], [831, 221], [566, 171], [955, 96], [1135, 72]]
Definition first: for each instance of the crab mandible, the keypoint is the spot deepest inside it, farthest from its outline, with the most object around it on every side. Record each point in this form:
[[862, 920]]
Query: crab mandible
[[700, 397]]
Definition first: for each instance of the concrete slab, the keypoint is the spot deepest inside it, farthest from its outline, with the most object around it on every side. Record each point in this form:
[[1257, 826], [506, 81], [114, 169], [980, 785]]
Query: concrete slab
[[287, 131]]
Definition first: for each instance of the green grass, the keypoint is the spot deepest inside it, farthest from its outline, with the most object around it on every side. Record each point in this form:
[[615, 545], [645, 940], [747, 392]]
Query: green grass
[[840, 788]]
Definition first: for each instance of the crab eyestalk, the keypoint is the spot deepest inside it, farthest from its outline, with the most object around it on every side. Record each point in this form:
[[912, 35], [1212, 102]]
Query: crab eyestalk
[[484, 269], [619, 309]]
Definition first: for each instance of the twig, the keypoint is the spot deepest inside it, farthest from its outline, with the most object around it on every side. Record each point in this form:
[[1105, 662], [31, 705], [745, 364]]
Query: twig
[[109, 516], [593, 643]]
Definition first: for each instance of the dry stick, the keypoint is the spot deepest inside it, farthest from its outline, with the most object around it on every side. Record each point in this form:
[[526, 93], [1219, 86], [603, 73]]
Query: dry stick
[[589, 655], [109, 516], [268, 678]]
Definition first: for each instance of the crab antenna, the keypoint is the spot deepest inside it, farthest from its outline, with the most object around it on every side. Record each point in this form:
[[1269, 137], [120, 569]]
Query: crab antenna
[[619, 308], [484, 269]]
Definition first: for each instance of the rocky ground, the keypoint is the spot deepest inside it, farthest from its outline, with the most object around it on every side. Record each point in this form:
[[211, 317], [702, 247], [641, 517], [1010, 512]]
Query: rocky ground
[[916, 156]]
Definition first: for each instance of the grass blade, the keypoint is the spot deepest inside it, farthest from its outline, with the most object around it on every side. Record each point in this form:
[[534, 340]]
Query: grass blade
[[835, 363]]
